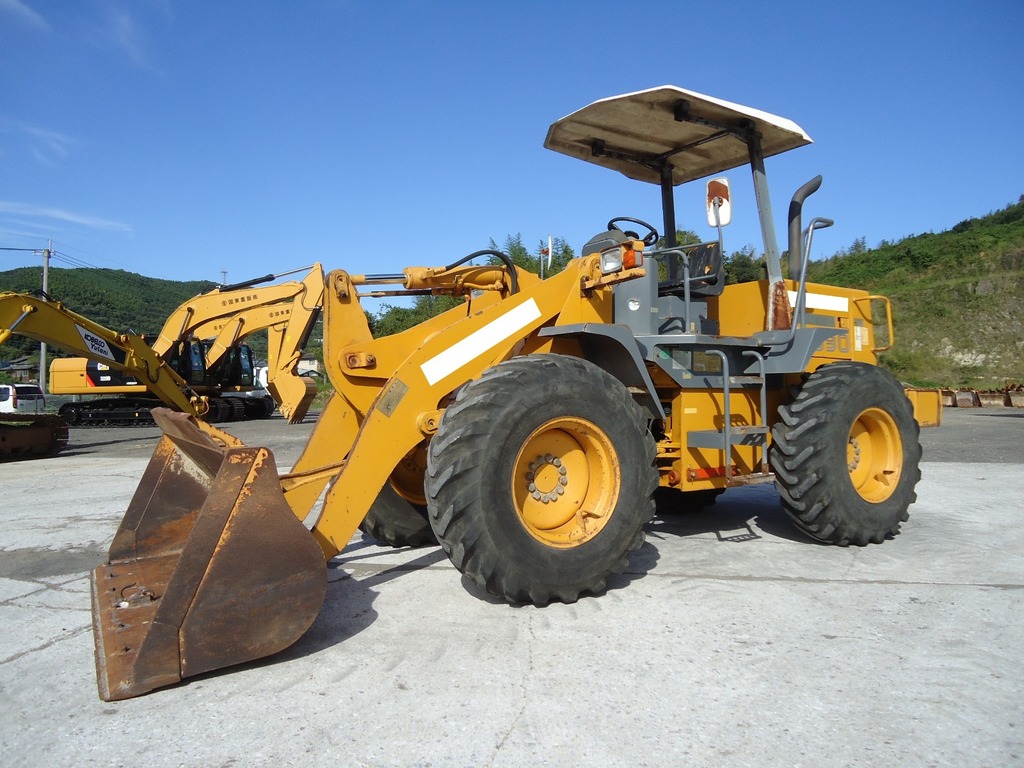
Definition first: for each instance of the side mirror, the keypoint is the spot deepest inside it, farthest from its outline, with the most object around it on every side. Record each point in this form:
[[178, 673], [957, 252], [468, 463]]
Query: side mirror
[[719, 203]]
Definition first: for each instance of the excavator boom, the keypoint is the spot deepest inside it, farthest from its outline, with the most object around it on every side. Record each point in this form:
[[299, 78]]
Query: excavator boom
[[51, 322], [231, 301], [288, 317]]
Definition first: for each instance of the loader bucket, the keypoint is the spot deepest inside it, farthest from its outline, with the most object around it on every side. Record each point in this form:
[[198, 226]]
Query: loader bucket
[[209, 568], [31, 437]]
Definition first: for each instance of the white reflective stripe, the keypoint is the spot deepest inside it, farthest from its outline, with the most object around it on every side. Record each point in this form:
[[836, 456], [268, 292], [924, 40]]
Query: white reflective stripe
[[822, 301], [478, 342]]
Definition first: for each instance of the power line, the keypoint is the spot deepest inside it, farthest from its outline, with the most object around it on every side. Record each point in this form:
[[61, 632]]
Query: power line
[[78, 263]]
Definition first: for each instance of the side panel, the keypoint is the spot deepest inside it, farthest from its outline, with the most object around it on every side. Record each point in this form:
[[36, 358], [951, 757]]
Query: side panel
[[927, 406], [741, 311], [689, 468], [78, 376]]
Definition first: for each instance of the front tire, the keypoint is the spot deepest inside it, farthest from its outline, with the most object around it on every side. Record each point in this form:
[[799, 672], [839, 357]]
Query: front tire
[[540, 479], [846, 455]]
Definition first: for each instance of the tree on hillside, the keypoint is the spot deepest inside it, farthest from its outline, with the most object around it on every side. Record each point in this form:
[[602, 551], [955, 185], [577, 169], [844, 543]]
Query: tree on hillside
[[744, 266], [514, 248], [391, 319]]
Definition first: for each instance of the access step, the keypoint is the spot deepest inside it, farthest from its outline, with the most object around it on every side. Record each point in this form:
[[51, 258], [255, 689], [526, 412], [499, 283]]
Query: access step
[[715, 438]]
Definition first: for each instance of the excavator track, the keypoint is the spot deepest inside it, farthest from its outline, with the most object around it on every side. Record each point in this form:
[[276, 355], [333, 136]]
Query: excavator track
[[32, 436]]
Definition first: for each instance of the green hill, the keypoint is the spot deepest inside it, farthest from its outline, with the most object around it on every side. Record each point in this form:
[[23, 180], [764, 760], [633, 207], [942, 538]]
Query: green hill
[[958, 299], [119, 300]]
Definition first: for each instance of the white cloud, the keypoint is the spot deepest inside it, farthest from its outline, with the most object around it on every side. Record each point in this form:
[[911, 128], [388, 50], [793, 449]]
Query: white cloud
[[126, 28], [24, 14], [59, 214], [123, 33], [46, 146]]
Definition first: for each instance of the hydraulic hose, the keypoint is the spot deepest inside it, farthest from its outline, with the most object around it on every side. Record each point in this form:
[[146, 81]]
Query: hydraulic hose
[[513, 277]]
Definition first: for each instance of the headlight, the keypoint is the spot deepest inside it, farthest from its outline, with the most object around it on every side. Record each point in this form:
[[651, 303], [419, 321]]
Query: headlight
[[611, 260], [620, 257]]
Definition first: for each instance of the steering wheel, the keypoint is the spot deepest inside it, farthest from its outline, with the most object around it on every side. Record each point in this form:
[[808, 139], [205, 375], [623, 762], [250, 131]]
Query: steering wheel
[[649, 239]]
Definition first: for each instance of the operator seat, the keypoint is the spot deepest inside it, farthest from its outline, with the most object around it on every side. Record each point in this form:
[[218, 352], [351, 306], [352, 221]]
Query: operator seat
[[707, 272]]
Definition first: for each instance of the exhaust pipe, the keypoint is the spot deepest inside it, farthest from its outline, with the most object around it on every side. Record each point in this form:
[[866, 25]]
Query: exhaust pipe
[[796, 206]]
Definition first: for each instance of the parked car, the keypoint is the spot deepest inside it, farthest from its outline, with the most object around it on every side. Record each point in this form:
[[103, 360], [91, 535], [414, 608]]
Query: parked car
[[21, 398]]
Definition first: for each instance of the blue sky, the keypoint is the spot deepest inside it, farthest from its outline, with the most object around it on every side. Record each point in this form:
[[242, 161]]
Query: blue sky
[[185, 139]]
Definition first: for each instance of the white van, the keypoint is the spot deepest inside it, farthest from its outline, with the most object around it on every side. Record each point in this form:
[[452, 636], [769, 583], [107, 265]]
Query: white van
[[21, 398]]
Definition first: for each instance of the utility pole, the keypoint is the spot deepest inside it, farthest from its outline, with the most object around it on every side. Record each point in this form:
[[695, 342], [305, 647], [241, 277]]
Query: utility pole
[[46, 252], [43, 379]]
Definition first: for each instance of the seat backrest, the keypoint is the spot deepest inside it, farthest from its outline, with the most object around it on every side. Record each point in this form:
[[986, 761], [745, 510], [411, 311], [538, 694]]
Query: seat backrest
[[707, 272]]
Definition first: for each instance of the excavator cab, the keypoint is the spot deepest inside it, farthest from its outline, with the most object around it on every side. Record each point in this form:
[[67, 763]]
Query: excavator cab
[[187, 360], [233, 369]]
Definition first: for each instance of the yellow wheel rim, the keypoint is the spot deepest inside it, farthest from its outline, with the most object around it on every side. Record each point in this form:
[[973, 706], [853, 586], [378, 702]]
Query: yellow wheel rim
[[874, 455], [407, 478], [565, 482]]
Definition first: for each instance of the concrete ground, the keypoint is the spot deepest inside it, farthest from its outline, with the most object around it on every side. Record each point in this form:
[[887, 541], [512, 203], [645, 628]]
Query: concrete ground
[[731, 641]]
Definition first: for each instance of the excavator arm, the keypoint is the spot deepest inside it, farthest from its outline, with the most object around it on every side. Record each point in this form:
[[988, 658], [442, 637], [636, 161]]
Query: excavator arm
[[193, 317], [289, 319], [51, 322]]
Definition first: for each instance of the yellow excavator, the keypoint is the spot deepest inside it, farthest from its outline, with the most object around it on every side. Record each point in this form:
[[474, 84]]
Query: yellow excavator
[[287, 312], [531, 425], [203, 342], [43, 319]]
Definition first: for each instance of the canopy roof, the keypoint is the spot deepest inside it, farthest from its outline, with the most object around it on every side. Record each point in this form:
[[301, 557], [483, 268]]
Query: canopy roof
[[639, 134]]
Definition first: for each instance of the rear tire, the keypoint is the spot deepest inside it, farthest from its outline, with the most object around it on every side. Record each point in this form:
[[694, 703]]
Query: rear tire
[[540, 479], [394, 521], [846, 455], [398, 516]]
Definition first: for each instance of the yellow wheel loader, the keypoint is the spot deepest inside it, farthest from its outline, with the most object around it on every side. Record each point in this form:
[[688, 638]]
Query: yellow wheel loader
[[531, 425]]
